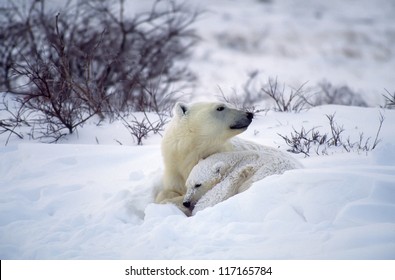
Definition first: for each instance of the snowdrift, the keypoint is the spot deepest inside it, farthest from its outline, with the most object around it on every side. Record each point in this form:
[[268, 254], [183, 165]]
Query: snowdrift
[[73, 201]]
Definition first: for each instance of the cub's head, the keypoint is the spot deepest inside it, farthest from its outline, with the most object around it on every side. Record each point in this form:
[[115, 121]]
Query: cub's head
[[212, 120], [203, 177]]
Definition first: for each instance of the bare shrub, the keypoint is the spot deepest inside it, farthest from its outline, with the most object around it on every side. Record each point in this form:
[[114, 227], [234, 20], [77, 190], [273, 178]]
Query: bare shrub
[[336, 132], [292, 100], [141, 127], [250, 96], [59, 103], [389, 99], [285, 99], [343, 95], [308, 141], [91, 59], [12, 119], [303, 141]]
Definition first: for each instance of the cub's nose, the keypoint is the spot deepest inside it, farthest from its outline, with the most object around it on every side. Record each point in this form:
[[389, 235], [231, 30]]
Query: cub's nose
[[250, 115], [187, 204]]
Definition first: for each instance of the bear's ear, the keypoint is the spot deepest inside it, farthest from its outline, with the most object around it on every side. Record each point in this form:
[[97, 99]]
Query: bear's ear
[[180, 109], [219, 168]]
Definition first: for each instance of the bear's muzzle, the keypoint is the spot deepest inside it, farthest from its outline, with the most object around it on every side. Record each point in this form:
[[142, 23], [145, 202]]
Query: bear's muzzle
[[243, 122], [187, 204]]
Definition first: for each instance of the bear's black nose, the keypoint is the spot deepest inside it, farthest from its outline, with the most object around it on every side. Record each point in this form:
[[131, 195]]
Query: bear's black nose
[[187, 204], [250, 115]]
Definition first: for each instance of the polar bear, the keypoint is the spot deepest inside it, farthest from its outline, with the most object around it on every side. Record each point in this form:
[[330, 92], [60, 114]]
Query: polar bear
[[195, 132], [223, 175]]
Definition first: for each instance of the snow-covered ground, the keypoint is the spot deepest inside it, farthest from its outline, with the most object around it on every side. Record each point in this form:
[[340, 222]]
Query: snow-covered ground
[[79, 201], [91, 198]]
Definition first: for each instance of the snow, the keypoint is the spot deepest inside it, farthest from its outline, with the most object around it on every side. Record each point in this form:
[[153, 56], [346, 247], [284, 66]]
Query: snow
[[91, 198], [80, 201]]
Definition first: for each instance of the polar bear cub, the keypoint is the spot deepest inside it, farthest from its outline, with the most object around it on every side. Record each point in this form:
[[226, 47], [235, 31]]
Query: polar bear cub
[[223, 175]]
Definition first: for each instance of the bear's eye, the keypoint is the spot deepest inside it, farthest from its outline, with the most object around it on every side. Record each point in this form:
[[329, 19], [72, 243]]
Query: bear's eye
[[220, 108], [198, 185]]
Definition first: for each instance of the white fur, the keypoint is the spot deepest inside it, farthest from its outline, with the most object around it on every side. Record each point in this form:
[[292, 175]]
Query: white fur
[[223, 175], [196, 131]]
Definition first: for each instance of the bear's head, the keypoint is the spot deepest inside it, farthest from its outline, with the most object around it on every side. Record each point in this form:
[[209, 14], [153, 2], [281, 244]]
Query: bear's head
[[228, 171], [203, 178], [211, 120]]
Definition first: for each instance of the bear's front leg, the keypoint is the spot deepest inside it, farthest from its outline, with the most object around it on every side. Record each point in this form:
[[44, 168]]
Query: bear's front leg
[[173, 185], [166, 194]]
